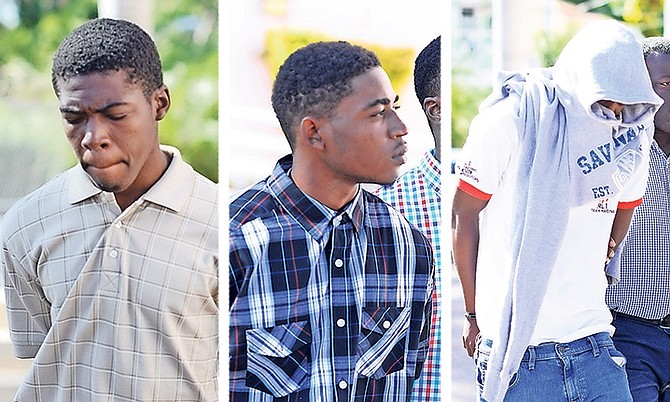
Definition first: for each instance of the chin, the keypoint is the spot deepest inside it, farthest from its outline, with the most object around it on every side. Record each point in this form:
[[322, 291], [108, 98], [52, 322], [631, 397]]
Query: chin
[[385, 181], [107, 186]]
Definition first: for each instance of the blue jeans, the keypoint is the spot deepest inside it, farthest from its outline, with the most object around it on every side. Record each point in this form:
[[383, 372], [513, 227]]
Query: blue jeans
[[587, 369], [647, 348]]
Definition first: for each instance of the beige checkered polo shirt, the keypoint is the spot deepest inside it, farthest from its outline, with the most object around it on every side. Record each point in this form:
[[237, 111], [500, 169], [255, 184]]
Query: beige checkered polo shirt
[[115, 306]]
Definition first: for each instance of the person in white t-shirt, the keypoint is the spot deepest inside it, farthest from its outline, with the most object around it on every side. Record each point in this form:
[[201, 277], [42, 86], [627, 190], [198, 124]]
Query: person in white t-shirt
[[554, 165]]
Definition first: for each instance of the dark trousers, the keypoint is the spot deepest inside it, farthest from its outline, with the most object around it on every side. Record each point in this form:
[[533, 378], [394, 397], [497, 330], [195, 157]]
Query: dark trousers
[[647, 349]]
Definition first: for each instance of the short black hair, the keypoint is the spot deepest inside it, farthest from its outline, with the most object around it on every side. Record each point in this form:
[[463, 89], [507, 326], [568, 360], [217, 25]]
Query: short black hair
[[105, 45], [427, 71], [314, 79], [655, 45]]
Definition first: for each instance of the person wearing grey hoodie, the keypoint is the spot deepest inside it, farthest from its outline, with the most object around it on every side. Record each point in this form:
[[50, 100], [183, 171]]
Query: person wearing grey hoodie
[[552, 169]]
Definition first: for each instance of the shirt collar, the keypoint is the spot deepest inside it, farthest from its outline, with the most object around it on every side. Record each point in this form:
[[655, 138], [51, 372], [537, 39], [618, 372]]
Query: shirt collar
[[81, 186], [174, 187], [430, 168], [312, 215], [169, 191], [354, 210]]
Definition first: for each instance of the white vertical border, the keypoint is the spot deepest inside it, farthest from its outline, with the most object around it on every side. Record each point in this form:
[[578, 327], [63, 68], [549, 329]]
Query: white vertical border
[[224, 128], [445, 9]]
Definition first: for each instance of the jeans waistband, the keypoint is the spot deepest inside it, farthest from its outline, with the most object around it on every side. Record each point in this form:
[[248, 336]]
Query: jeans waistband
[[554, 350], [664, 322]]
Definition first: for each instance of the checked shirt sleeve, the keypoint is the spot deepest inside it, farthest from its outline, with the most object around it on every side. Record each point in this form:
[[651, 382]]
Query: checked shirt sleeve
[[424, 336], [239, 263], [28, 311]]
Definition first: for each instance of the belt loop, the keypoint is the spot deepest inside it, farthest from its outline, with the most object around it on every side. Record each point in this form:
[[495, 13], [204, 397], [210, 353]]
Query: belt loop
[[531, 358], [594, 345]]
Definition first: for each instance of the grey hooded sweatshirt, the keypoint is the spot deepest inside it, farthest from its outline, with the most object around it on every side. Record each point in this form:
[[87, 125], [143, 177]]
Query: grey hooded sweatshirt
[[557, 109]]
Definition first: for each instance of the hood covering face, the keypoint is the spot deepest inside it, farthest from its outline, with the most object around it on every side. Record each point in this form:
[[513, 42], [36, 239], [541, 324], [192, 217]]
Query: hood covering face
[[604, 61], [561, 128]]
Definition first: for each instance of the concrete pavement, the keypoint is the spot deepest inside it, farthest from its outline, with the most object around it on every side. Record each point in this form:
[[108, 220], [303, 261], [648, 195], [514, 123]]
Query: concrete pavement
[[463, 381]]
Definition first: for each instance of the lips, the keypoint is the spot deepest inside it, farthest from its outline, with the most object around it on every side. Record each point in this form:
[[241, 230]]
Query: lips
[[399, 156], [99, 162], [99, 166]]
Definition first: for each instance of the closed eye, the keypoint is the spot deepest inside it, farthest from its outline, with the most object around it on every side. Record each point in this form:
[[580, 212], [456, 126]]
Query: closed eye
[[72, 118], [116, 117]]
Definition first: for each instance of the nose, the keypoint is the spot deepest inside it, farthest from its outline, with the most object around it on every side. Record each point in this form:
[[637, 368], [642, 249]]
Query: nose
[[397, 128], [95, 138], [616, 107]]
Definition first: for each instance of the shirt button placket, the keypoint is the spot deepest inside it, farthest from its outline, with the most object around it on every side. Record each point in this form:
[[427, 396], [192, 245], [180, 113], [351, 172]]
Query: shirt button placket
[[114, 252], [343, 323], [342, 390]]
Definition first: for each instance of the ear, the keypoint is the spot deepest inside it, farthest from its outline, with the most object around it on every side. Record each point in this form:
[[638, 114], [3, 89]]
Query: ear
[[161, 101], [308, 132], [432, 108]]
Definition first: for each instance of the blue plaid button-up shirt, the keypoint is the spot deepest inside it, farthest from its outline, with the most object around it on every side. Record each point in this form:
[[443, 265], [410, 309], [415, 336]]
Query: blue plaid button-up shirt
[[324, 305], [416, 194]]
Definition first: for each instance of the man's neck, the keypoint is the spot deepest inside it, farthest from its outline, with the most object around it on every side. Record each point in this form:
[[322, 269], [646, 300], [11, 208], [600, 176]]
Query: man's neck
[[663, 140], [126, 198], [331, 192]]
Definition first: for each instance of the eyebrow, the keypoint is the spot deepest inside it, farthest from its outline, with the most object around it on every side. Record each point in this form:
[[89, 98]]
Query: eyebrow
[[382, 101], [74, 109]]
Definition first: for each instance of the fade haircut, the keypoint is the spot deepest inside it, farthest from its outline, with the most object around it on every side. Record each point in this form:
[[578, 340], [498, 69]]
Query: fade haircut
[[427, 71], [314, 79], [106, 45], [655, 45]]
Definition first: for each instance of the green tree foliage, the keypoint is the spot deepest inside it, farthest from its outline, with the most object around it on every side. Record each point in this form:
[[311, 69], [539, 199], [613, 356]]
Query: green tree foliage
[[465, 100], [281, 42], [550, 45], [41, 29], [646, 15], [186, 36]]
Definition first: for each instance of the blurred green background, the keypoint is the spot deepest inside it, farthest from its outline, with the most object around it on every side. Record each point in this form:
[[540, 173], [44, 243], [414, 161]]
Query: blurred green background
[[645, 15], [32, 145]]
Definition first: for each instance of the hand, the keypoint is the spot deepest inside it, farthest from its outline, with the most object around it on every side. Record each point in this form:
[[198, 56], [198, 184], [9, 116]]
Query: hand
[[470, 335], [611, 247]]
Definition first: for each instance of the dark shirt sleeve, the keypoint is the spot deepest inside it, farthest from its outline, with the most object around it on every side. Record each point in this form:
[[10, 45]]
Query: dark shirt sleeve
[[239, 264], [427, 265]]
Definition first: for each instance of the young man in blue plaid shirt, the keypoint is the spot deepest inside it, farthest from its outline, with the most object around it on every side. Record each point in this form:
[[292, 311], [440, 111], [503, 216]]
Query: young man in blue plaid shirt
[[416, 194], [330, 288]]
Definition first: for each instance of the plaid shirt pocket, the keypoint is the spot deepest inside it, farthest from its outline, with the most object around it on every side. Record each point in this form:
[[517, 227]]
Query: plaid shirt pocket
[[278, 358], [381, 346]]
